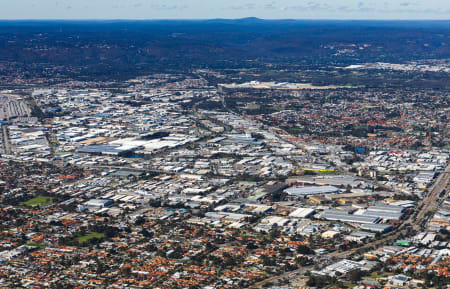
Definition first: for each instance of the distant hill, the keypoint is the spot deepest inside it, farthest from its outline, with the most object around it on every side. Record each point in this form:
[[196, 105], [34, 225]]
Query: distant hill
[[126, 46]]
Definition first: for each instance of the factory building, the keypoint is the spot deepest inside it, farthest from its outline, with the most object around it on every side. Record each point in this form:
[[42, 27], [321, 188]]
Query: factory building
[[303, 192], [385, 212], [386, 208], [342, 217], [381, 228], [98, 203], [302, 213]]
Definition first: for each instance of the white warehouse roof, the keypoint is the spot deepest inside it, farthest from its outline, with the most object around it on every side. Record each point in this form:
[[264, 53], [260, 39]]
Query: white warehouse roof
[[349, 218], [304, 191], [302, 213]]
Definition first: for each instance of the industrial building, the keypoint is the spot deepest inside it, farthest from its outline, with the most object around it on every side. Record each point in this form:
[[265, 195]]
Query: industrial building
[[99, 203], [385, 212], [303, 192], [383, 215], [345, 267], [342, 217], [104, 150], [381, 228], [302, 213], [386, 208]]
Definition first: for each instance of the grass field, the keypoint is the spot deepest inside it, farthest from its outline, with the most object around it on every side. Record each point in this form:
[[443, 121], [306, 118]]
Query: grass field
[[375, 275], [86, 238], [37, 245], [38, 201]]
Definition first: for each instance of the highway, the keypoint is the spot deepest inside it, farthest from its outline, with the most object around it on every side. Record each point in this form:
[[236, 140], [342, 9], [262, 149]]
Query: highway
[[6, 143], [429, 203]]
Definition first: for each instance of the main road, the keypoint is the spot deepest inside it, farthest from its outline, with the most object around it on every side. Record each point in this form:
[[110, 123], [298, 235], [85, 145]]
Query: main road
[[429, 203], [6, 143]]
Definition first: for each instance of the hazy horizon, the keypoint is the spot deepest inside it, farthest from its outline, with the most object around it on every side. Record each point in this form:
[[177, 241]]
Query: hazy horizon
[[232, 9]]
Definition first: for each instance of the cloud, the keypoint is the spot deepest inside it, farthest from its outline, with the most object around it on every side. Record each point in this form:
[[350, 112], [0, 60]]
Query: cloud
[[270, 6], [169, 7], [312, 6], [409, 3], [247, 6], [344, 9]]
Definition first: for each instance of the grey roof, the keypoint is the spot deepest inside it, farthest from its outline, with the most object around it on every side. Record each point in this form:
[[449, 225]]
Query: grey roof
[[383, 215], [101, 149], [126, 173], [376, 227], [400, 278], [98, 202], [386, 208], [362, 234], [339, 180], [349, 218], [303, 191]]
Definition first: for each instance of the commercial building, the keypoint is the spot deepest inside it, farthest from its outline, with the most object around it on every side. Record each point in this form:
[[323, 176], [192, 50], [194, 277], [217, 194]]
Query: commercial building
[[99, 203], [104, 150], [381, 228], [342, 217], [299, 192], [386, 208], [383, 215], [302, 213]]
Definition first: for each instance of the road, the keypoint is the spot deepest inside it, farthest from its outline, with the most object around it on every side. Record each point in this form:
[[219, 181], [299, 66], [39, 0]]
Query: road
[[429, 202], [6, 143]]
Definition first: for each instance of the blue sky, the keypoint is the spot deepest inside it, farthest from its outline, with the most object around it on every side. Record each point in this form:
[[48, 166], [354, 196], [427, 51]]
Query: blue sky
[[206, 9]]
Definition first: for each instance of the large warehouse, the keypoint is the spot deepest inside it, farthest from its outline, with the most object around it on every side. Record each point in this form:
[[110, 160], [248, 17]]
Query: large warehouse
[[342, 217], [381, 228], [104, 150], [303, 192], [384, 212], [302, 213], [382, 215], [386, 208], [99, 203]]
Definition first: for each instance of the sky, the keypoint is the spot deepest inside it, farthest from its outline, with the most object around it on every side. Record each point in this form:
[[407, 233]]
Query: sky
[[208, 9]]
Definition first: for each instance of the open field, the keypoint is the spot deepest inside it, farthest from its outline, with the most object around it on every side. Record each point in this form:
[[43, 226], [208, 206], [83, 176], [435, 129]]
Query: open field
[[86, 238], [37, 245], [38, 201]]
